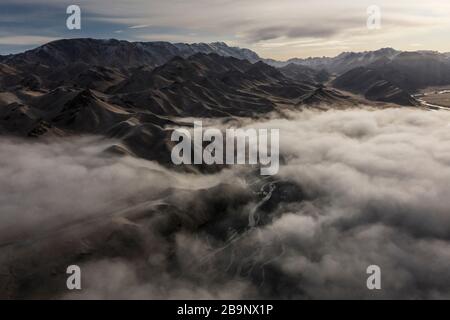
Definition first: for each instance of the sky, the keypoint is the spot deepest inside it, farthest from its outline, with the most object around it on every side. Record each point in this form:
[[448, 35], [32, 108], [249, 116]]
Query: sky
[[279, 29]]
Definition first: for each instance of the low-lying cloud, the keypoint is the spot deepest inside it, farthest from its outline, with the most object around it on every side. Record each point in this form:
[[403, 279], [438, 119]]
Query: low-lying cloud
[[355, 188]]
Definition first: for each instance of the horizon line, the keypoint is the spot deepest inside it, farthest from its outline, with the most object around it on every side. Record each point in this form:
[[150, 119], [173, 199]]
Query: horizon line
[[219, 42]]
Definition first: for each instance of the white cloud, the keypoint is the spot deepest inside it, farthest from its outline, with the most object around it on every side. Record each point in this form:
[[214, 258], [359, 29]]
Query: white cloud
[[139, 26], [26, 40], [356, 188]]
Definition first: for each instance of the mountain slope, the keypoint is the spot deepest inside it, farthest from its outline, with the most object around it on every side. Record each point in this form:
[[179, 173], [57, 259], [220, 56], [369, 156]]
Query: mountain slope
[[135, 101], [394, 80], [303, 73], [210, 85], [341, 63], [118, 53]]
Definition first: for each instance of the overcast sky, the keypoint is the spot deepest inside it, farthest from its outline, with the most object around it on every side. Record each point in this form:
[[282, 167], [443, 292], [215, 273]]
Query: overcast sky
[[278, 29]]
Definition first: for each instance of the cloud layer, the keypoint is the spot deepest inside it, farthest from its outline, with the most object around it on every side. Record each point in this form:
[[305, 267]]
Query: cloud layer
[[356, 188]]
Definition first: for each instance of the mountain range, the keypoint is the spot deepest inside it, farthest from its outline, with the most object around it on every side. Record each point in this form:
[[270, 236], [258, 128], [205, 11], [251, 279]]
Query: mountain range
[[385, 75], [132, 91], [119, 53]]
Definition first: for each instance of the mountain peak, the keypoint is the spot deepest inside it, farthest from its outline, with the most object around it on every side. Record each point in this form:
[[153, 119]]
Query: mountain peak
[[121, 53], [220, 43]]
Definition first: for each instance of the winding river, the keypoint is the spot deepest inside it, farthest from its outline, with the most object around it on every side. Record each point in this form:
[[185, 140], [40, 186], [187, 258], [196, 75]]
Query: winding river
[[427, 105]]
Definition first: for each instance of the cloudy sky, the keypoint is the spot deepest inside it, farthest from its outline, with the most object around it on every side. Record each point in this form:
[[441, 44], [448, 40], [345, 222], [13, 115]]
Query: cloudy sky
[[275, 29]]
